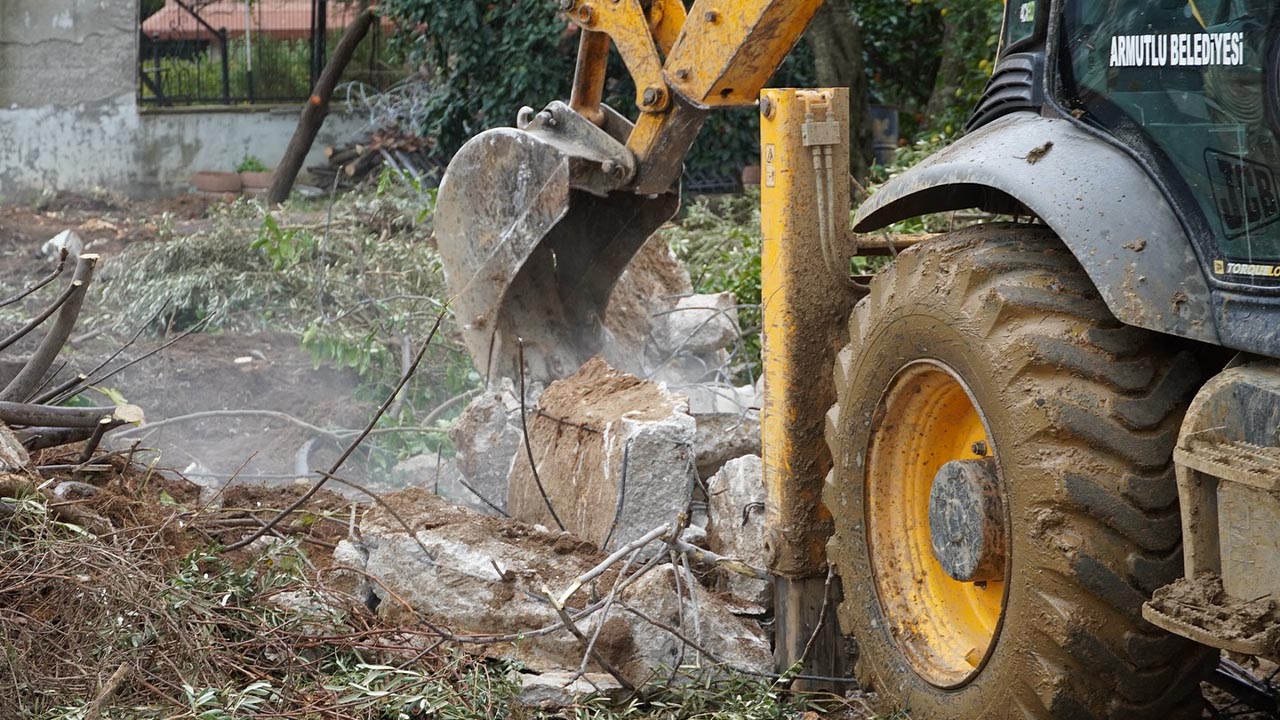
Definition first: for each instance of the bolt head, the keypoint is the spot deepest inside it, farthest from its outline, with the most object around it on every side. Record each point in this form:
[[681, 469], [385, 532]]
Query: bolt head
[[979, 448], [711, 16], [585, 14], [682, 74], [567, 4], [650, 96], [766, 107]]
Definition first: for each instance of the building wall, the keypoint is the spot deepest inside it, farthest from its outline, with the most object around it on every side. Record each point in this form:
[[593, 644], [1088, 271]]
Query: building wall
[[69, 118]]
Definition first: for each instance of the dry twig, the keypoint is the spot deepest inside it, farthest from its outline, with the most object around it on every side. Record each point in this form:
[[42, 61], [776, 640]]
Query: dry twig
[[528, 447]]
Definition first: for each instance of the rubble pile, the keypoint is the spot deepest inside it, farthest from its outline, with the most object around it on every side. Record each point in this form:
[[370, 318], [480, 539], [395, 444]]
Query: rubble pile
[[736, 508], [493, 582], [656, 480]]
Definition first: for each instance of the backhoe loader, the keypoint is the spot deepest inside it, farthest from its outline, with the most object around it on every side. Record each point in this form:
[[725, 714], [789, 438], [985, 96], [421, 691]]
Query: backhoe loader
[[1042, 455]]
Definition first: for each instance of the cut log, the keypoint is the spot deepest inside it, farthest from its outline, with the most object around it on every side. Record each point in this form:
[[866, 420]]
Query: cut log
[[342, 156]]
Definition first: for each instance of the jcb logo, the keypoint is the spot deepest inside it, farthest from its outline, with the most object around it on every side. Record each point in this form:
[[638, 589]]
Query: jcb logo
[[1244, 193]]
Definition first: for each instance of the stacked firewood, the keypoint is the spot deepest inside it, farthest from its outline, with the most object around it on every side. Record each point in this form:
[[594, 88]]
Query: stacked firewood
[[348, 165]]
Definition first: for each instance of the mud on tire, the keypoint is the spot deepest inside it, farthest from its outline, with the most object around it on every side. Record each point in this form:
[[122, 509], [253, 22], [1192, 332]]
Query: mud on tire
[[1084, 412]]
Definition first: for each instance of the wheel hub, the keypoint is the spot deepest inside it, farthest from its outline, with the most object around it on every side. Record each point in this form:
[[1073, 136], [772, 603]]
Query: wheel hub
[[927, 419], [966, 521]]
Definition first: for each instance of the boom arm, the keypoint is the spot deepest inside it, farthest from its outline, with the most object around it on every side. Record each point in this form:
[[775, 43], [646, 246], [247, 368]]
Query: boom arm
[[719, 54]]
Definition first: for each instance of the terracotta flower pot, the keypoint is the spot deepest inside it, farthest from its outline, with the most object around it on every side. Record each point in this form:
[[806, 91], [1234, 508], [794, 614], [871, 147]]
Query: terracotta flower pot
[[216, 182], [751, 175], [256, 180]]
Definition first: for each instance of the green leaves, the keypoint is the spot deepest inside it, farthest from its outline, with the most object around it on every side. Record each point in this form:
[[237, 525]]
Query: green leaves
[[283, 247], [251, 164], [486, 60]]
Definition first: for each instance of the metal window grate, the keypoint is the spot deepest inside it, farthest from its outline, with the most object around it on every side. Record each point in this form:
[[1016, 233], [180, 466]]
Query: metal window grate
[[231, 52]]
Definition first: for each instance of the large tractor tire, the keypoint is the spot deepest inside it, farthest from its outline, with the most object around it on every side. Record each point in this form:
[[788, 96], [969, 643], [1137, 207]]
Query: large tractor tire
[[1003, 490]]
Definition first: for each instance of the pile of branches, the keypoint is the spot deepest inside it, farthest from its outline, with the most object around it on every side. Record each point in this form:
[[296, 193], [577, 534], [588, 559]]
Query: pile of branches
[[95, 623], [348, 165], [31, 400], [149, 620]]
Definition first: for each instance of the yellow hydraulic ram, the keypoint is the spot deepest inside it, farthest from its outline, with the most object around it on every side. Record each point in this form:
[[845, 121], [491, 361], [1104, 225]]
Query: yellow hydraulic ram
[[804, 144]]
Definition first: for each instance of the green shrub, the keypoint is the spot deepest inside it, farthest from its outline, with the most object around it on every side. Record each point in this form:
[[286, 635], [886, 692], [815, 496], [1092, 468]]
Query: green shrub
[[251, 164]]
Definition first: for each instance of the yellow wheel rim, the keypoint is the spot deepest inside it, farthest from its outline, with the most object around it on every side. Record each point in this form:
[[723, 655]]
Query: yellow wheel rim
[[945, 627]]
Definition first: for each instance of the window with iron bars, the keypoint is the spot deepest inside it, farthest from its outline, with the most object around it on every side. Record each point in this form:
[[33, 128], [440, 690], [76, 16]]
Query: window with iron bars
[[237, 52]]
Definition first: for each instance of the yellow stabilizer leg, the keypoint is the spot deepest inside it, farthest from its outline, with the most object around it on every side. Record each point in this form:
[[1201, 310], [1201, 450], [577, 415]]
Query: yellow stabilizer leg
[[804, 138]]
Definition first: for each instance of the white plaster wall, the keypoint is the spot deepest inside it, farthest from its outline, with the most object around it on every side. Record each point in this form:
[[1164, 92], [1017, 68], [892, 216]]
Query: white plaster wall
[[69, 119], [112, 145]]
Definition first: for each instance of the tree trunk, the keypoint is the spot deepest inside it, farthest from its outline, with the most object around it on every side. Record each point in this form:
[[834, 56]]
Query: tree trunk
[[953, 63], [836, 41], [317, 107]]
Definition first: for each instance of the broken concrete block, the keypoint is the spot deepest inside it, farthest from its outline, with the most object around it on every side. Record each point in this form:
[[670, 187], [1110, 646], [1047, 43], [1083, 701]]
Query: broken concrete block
[[66, 240], [700, 617], [442, 477], [695, 535], [736, 502], [721, 437], [650, 285], [354, 554], [698, 324], [479, 575], [561, 688], [487, 437], [489, 576], [720, 399], [608, 447]]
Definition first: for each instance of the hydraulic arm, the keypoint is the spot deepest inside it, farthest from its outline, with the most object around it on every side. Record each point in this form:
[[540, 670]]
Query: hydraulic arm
[[536, 223]]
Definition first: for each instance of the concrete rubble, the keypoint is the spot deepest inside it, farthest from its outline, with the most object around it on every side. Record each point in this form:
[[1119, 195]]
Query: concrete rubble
[[487, 576], [728, 423], [614, 457], [736, 505], [487, 440], [698, 324], [441, 476], [66, 240], [703, 618], [646, 291], [557, 689], [721, 437]]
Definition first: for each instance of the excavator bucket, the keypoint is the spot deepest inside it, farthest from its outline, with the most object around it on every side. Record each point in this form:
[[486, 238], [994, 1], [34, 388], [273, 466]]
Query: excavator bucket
[[533, 234]]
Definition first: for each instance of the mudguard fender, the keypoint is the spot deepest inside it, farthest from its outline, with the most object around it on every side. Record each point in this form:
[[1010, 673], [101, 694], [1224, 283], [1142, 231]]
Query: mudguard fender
[[1100, 201]]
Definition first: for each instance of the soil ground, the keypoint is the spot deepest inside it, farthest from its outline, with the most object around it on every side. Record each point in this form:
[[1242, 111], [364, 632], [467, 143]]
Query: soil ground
[[221, 371]]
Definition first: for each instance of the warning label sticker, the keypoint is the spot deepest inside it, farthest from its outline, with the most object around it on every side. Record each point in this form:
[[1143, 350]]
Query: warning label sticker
[[1178, 50]]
